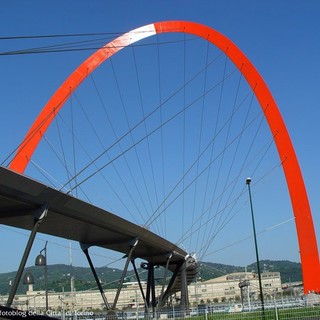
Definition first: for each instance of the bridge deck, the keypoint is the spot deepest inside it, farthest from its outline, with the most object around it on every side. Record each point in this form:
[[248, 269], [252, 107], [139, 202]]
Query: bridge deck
[[77, 220]]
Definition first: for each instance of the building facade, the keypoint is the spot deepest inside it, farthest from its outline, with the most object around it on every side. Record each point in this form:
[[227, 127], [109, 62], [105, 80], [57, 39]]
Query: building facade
[[229, 288], [234, 287]]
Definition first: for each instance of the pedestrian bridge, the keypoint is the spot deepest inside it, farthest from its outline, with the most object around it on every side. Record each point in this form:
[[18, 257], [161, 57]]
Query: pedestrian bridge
[[31, 205]]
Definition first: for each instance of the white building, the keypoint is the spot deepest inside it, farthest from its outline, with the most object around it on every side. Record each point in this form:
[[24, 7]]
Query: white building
[[227, 287], [221, 289]]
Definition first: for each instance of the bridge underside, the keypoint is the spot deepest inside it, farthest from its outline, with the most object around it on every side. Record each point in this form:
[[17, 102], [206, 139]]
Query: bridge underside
[[31, 205]]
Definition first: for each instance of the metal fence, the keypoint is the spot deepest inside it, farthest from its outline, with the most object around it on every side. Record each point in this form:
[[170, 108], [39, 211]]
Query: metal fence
[[276, 310]]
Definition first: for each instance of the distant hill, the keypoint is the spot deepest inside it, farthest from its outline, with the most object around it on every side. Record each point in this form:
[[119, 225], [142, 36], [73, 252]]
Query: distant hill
[[59, 278], [59, 275]]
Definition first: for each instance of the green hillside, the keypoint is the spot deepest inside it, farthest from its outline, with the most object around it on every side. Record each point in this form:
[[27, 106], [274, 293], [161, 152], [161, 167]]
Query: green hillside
[[59, 278]]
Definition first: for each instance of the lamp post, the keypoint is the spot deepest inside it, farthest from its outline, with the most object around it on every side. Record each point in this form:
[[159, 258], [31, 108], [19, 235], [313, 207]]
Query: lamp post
[[29, 280], [41, 260], [248, 181]]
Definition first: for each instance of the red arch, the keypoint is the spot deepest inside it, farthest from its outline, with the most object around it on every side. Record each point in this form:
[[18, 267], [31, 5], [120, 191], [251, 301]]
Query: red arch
[[303, 218]]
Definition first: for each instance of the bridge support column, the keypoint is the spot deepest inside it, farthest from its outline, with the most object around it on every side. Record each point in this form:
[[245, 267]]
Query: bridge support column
[[85, 250], [172, 280], [150, 287], [39, 215], [132, 247], [184, 303], [140, 286], [161, 298]]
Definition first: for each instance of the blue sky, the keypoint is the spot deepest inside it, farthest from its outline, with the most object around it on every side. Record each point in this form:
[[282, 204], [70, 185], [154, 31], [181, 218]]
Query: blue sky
[[279, 37]]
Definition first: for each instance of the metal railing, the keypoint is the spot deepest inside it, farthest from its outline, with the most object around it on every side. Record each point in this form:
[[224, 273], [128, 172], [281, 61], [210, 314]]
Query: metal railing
[[301, 309]]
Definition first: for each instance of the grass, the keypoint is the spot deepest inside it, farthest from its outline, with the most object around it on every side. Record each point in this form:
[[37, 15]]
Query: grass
[[283, 314]]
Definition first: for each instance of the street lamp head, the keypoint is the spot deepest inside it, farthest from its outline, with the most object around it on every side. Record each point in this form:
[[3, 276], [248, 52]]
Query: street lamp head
[[41, 260], [28, 278], [248, 180]]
